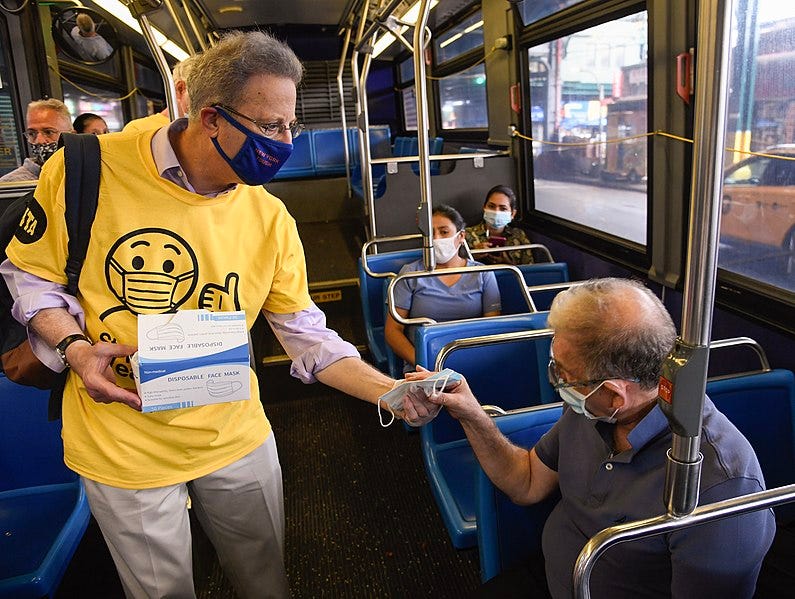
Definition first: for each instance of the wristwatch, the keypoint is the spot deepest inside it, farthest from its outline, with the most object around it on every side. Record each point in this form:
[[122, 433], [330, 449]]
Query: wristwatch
[[60, 349]]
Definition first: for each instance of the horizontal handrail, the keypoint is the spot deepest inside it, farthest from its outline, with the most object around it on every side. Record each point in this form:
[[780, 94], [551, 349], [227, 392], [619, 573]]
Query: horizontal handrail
[[742, 341], [390, 292], [373, 242], [640, 529], [510, 248], [439, 157], [482, 340]]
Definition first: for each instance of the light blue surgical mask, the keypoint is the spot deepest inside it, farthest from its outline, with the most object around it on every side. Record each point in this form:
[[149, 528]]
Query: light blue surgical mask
[[497, 218], [577, 400], [259, 158]]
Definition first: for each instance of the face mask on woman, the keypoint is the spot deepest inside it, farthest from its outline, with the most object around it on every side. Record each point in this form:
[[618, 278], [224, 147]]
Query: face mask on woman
[[445, 249], [497, 218]]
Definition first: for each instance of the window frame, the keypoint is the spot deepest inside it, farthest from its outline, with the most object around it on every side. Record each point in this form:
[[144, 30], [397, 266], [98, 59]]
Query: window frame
[[570, 21], [455, 65]]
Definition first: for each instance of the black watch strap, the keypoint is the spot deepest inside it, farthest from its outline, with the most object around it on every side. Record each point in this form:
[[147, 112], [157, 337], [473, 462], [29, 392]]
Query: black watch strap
[[60, 349]]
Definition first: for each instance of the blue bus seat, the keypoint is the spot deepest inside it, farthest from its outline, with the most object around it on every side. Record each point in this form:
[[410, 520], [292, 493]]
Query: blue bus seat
[[543, 273], [379, 148], [508, 533], [372, 291], [449, 461], [301, 162], [329, 151], [43, 507], [762, 407]]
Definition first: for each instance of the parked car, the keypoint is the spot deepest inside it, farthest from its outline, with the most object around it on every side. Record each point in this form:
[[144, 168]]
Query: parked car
[[759, 199]]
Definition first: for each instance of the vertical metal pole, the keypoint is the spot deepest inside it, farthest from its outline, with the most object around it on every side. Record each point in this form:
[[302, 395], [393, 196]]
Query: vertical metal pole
[[162, 66], [180, 27], [364, 143], [195, 27], [359, 99], [712, 52], [341, 90], [420, 87]]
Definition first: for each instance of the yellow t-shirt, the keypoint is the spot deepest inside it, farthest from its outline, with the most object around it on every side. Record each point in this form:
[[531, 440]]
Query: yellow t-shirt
[[156, 247], [146, 123]]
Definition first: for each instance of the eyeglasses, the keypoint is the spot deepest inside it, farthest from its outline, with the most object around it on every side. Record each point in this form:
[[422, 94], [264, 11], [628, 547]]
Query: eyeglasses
[[48, 134], [269, 129], [557, 382]]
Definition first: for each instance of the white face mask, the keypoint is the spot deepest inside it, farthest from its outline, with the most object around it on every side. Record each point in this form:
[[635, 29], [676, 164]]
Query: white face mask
[[497, 218], [445, 249], [577, 402]]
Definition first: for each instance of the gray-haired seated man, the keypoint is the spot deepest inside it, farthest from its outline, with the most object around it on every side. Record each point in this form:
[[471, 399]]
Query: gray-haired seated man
[[607, 458]]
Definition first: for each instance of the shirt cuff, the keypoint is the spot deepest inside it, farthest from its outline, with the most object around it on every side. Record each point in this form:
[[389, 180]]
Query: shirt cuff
[[311, 345]]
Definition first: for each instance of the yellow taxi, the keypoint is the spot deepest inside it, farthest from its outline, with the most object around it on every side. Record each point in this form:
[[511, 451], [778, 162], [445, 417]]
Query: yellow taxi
[[759, 199]]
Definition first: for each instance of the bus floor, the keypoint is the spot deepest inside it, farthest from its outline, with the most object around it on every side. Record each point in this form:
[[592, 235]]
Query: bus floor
[[360, 517]]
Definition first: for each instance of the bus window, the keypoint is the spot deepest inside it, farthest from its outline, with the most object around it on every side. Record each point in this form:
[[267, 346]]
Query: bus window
[[101, 102], [10, 153], [463, 100], [757, 231], [534, 10], [409, 109], [461, 38], [587, 89]]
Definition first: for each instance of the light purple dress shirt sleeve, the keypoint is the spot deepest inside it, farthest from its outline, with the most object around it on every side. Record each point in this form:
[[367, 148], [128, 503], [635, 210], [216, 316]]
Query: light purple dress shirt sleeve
[[311, 345], [31, 294]]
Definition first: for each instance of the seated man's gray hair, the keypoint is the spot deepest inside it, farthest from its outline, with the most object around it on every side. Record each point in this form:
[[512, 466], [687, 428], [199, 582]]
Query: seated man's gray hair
[[620, 329]]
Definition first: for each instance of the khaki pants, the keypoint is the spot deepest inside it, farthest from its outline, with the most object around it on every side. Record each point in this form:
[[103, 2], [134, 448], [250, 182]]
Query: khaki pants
[[240, 507]]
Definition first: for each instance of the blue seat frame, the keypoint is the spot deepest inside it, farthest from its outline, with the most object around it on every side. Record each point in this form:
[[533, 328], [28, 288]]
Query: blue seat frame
[[371, 290], [449, 460]]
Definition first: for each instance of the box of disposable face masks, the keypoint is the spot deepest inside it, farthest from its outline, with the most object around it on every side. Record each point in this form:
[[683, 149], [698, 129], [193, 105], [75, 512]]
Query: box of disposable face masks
[[191, 358]]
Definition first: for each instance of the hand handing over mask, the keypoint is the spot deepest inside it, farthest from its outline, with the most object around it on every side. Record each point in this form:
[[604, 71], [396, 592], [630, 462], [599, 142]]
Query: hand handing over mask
[[410, 398]]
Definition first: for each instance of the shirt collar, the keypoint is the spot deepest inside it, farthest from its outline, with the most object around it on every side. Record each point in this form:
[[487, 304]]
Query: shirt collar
[[166, 161], [650, 427]]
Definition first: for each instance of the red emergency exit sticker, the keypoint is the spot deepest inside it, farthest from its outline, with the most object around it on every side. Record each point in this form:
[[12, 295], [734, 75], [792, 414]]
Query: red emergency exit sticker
[[666, 389]]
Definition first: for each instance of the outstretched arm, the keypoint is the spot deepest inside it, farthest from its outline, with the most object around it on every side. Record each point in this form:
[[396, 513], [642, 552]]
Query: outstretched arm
[[517, 472]]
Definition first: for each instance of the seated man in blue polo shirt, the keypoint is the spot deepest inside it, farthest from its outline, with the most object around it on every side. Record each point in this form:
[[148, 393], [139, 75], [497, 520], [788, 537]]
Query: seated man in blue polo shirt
[[607, 457]]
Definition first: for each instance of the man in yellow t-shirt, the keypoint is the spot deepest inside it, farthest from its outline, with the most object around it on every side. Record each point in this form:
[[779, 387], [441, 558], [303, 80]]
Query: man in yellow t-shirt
[[182, 222]]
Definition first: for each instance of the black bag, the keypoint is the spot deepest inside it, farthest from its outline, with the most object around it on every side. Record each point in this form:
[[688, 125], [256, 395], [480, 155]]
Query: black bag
[[82, 171]]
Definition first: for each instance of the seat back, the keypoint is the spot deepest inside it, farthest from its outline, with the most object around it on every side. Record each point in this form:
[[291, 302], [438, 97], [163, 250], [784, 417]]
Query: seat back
[[508, 533], [488, 369], [31, 450], [544, 273], [43, 507], [762, 407], [372, 289], [329, 148]]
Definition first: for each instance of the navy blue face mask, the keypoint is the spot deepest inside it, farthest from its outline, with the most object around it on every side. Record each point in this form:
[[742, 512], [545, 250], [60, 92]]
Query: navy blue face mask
[[259, 159]]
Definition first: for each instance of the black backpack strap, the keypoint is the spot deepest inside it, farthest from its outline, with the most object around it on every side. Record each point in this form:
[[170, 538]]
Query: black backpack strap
[[81, 178], [82, 169]]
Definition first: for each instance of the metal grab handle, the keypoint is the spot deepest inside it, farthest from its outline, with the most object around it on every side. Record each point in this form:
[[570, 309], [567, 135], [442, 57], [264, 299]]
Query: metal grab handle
[[483, 340], [742, 341], [374, 242], [640, 529], [509, 248], [390, 292]]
